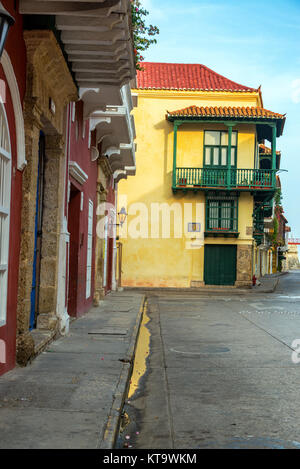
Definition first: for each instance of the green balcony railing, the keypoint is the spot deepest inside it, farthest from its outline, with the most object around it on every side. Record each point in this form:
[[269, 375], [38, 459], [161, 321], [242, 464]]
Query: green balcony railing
[[260, 179]]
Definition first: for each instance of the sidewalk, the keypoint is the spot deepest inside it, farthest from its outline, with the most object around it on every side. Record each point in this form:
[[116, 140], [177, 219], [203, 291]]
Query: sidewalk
[[268, 283], [70, 396]]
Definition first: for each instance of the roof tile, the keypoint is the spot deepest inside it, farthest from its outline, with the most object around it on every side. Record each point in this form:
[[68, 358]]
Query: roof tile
[[264, 150], [224, 111], [191, 77]]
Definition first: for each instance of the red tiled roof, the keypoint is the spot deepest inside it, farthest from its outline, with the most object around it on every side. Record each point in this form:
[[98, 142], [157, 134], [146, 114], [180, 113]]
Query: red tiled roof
[[226, 112], [195, 77], [266, 150]]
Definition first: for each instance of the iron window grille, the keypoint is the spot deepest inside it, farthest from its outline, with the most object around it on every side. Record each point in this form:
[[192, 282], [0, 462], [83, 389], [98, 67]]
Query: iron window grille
[[222, 214]]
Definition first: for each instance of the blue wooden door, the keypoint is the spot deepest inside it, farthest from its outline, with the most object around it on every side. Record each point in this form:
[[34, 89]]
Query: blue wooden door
[[37, 236]]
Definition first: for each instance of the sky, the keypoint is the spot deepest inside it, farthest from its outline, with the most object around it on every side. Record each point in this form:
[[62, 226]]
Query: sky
[[252, 43]]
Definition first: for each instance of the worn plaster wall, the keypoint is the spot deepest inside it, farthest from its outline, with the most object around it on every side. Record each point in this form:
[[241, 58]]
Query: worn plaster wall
[[293, 258], [105, 194], [170, 262]]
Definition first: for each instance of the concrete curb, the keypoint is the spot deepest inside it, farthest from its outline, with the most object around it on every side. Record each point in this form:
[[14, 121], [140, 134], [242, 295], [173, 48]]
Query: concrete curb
[[228, 289], [273, 289], [110, 433], [277, 275]]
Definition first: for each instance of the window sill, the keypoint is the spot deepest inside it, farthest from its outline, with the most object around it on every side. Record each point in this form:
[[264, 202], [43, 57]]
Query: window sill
[[221, 234]]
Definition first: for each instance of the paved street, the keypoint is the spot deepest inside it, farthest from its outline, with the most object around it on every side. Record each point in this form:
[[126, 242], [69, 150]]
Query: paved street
[[220, 371]]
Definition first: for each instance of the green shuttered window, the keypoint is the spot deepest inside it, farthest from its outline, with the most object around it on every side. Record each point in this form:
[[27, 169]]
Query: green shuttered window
[[222, 214], [216, 147]]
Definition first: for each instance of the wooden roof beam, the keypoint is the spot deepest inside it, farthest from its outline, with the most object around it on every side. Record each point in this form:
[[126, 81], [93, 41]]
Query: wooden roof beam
[[78, 8], [93, 38], [96, 24]]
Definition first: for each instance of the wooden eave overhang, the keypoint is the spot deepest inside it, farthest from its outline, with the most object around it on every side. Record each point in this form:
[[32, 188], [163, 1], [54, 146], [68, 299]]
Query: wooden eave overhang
[[96, 37], [251, 115]]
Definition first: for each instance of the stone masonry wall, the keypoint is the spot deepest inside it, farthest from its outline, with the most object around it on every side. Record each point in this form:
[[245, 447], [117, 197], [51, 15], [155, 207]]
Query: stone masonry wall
[[48, 78], [244, 266]]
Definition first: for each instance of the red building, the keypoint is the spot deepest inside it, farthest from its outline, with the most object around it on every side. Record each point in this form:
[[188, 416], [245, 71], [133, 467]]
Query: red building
[[69, 99], [12, 162], [80, 212]]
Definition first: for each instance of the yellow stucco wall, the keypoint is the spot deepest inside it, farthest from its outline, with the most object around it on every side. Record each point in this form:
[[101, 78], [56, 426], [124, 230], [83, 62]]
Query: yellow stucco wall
[[190, 141], [167, 262]]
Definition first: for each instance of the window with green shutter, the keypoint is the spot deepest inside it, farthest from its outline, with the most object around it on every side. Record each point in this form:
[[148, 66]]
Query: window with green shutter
[[216, 149], [222, 214]]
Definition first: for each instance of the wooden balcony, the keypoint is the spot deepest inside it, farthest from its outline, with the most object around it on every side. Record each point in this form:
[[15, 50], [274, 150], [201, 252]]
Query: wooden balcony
[[223, 179]]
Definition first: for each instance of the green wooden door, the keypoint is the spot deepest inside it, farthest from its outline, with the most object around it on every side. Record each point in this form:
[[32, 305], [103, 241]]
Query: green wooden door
[[219, 264]]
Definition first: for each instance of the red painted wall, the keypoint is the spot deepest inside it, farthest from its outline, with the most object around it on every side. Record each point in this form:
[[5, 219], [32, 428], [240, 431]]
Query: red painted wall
[[15, 47], [81, 154], [74, 249]]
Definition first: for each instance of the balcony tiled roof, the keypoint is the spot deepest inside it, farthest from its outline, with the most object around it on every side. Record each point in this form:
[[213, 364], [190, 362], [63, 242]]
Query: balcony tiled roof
[[263, 150], [190, 77], [226, 112]]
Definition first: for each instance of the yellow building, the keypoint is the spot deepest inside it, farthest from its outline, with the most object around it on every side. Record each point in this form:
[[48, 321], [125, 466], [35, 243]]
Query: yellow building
[[195, 206]]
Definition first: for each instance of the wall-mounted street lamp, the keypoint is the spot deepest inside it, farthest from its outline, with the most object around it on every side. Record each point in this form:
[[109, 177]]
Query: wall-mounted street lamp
[[122, 216], [6, 21]]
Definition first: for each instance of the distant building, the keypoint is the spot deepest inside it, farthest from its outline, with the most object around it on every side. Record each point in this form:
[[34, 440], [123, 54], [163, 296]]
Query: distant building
[[293, 261], [272, 245], [198, 136]]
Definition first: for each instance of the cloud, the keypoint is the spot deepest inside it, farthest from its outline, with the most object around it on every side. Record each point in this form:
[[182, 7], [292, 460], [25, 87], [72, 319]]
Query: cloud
[[296, 91]]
